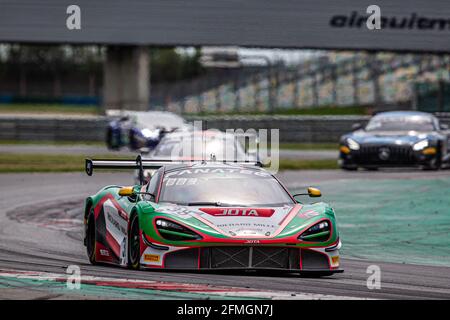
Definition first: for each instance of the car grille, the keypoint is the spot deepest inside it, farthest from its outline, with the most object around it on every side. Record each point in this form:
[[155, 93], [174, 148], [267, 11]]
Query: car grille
[[312, 260], [246, 257], [385, 155], [250, 257]]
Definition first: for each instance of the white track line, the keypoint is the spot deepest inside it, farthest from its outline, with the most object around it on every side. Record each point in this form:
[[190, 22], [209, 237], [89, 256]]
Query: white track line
[[172, 286]]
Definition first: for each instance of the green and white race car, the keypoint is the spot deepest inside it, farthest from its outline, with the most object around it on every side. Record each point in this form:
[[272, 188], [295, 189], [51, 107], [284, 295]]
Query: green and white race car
[[208, 216]]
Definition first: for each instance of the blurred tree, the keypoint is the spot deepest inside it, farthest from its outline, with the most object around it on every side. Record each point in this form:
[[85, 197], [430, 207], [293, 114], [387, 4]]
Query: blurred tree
[[39, 64], [167, 65]]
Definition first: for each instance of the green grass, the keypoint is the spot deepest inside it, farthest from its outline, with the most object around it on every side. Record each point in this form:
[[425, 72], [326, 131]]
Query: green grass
[[52, 143], [309, 146], [49, 108], [287, 146], [93, 110], [14, 163], [319, 111], [322, 164]]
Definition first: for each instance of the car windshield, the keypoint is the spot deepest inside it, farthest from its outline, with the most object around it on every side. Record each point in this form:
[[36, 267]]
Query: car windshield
[[406, 123], [151, 120], [223, 187], [197, 148]]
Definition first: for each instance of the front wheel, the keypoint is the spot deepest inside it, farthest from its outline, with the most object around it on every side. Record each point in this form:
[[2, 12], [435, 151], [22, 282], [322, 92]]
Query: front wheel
[[432, 166], [91, 237], [134, 244], [112, 140], [349, 168]]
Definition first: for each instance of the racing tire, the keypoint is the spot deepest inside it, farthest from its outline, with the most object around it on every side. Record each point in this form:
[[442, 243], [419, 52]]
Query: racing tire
[[134, 244], [91, 237], [434, 164], [109, 140], [132, 142], [371, 168], [346, 168]]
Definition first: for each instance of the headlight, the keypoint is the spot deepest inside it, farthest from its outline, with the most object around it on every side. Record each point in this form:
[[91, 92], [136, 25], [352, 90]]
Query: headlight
[[352, 144], [150, 134], [175, 232], [420, 145], [318, 232]]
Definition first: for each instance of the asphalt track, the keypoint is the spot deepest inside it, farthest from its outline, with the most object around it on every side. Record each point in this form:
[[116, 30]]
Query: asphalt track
[[33, 237]]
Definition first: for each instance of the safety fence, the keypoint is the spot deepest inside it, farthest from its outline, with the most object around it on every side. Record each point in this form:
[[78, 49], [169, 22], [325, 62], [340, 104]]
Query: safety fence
[[334, 80], [299, 129]]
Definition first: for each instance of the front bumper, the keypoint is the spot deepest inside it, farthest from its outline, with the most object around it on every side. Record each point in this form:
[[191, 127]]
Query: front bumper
[[285, 259], [385, 156]]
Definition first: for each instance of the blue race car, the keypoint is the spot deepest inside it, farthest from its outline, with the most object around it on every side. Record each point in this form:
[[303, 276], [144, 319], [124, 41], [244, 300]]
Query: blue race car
[[140, 129]]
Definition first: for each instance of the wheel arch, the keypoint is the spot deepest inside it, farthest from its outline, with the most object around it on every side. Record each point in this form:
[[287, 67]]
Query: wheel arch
[[144, 210], [89, 203], [140, 211], [133, 213]]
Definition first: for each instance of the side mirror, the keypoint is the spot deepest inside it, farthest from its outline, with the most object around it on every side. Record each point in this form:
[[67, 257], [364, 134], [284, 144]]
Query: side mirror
[[356, 126], [126, 191], [314, 192], [444, 126]]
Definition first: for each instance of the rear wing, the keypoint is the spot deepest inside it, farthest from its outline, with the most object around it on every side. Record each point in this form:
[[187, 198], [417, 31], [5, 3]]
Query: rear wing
[[141, 164], [92, 164]]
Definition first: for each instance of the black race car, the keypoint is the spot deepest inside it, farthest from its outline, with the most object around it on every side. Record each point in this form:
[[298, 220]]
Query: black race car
[[396, 139]]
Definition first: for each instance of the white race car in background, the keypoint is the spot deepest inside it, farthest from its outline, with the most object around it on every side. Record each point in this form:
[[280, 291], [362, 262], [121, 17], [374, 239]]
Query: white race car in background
[[196, 145], [141, 129]]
